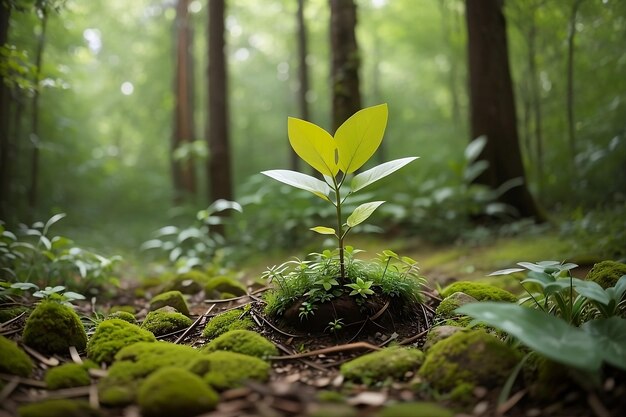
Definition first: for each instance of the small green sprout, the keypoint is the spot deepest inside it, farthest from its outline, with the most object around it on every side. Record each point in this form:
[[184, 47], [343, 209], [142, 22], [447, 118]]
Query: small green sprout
[[361, 287]]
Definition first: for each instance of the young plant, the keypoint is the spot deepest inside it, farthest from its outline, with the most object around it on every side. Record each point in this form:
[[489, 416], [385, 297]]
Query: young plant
[[337, 159]]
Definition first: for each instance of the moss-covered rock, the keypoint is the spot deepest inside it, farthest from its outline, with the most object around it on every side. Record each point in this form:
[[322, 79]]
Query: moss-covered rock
[[161, 322], [222, 323], [224, 284], [53, 327], [170, 298], [242, 341], [473, 358], [123, 315], [125, 308], [58, 408], [190, 282], [392, 362], [480, 291], [606, 273], [415, 409], [135, 362], [172, 391], [437, 333], [67, 376], [113, 335], [7, 314], [13, 360], [225, 370], [446, 308]]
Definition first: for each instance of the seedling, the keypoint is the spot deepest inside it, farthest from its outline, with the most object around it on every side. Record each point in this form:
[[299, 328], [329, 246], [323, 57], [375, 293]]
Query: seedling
[[337, 159]]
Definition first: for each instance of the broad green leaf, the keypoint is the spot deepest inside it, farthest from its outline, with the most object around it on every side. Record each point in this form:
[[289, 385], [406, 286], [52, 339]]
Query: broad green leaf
[[544, 333], [372, 175], [362, 212], [475, 147], [52, 221], [620, 287], [506, 271], [70, 295], [323, 230], [299, 180], [314, 145], [222, 204], [593, 291], [358, 137], [610, 336]]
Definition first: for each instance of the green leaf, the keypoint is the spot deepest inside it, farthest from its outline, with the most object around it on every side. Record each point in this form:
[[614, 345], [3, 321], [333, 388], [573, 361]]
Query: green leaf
[[610, 336], [372, 175], [593, 291], [506, 271], [358, 137], [299, 180], [544, 333], [475, 147], [323, 230], [362, 212], [314, 145], [52, 221]]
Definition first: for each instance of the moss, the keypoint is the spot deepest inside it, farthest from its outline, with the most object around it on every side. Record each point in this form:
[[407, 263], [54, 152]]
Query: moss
[[53, 327], [393, 362], [480, 291], [446, 308], [333, 410], [437, 333], [225, 370], [7, 314], [111, 336], [135, 362], [58, 408], [222, 323], [13, 360], [127, 309], [463, 393], [415, 409], [123, 315], [218, 285], [173, 391], [242, 341], [331, 397], [606, 273], [163, 322], [67, 376], [170, 298], [473, 357], [190, 282]]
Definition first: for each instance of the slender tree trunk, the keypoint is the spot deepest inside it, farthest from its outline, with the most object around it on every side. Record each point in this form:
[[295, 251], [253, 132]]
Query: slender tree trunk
[[345, 61], [303, 76], [452, 73], [535, 94], [5, 14], [219, 170], [571, 130], [35, 139], [183, 171], [492, 105]]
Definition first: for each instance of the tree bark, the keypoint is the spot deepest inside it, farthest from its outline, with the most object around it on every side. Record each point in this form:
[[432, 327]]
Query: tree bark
[[5, 14], [571, 130], [345, 61], [492, 105], [535, 98], [217, 135], [303, 76], [183, 171]]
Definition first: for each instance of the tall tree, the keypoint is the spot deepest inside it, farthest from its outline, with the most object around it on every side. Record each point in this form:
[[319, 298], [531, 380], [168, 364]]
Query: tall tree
[[219, 169], [492, 105], [303, 76], [5, 14], [183, 170], [570, 78], [345, 61]]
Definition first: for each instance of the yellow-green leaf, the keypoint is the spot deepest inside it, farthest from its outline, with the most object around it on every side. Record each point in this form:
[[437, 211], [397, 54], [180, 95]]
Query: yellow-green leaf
[[323, 230], [299, 180], [314, 145], [358, 137], [362, 212]]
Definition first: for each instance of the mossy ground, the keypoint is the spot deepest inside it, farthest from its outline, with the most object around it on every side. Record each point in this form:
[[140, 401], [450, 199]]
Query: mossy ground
[[59, 408], [230, 320], [173, 299], [123, 315], [242, 341], [393, 362], [164, 322], [113, 335], [53, 327], [68, 375], [225, 370], [13, 360], [480, 291], [415, 409]]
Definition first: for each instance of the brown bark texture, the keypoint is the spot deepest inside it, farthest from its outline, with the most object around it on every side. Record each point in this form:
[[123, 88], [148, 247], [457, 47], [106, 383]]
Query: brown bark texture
[[345, 61], [492, 105]]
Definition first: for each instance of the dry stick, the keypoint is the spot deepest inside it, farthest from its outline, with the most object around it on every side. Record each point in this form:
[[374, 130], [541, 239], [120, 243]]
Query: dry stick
[[380, 312], [40, 357], [10, 332], [8, 389], [331, 349], [24, 381], [94, 400], [75, 356], [306, 362], [61, 393], [359, 331], [413, 338], [276, 328], [425, 316], [14, 319], [510, 403], [226, 300], [194, 324]]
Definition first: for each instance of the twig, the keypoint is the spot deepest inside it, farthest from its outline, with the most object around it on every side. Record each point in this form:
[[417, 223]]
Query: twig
[[380, 312], [304, 361], [194, 324], [24, 381], [276, 328], [359, 331], [331, 349], [46, 361], [75, 356], [413, 338], [510, 403], [8, 389], [14, 319]]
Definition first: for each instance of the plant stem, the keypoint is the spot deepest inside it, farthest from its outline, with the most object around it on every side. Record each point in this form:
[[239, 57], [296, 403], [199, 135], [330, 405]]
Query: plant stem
[[340, 234]]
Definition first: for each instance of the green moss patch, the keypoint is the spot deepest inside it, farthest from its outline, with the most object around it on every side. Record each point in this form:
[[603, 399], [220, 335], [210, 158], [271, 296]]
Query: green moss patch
[[446, 308], [190, 282], [415, 409], [125, 308], [393, 362], [172, 391], [53, 327], [480, 291], [473, 358], [123, 315], [222, 323], [223, 284], [7, 314], [13, 360], [67, 376], [135, 362], [173, 299], [606, 273], [164, 322], [242, 341], [225, 370], [113, 335], [58, 408]]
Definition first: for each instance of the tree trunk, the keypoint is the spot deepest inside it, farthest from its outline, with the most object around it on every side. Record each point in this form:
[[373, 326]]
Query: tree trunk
[[452, 73], [535, 98], [303, 76], [492, 105], [5, 14], [183, 171], [345, 61], [219, 170], [571, 130]]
